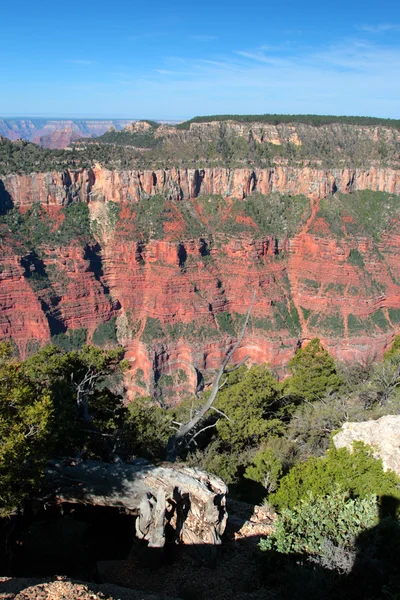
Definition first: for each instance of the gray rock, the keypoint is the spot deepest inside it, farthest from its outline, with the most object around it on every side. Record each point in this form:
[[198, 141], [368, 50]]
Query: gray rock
[[382, 434]]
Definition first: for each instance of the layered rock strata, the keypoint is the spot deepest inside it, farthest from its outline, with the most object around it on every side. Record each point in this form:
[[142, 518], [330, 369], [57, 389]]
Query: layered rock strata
[[178, 294]]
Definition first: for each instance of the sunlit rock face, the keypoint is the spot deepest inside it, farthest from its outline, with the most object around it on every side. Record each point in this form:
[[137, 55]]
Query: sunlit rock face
[[174, 256], [382, 435]]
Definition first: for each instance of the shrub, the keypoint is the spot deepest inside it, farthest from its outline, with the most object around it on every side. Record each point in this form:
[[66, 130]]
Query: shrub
[[357, 473], [394, 351], [325, 528], [356, 259], [105, 333], [74, 339], [152, 330], [146, 430], [26, 415]]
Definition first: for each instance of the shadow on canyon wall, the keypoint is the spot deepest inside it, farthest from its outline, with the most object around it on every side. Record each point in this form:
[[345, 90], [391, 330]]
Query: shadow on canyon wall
[[6, 202]]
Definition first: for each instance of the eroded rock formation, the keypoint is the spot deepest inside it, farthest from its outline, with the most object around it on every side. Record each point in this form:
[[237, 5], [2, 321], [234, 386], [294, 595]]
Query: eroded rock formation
[[177, 270], [100, 184]]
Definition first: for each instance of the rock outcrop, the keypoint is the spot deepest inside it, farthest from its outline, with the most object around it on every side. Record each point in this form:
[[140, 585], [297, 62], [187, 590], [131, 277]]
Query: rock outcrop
[[382, 435]]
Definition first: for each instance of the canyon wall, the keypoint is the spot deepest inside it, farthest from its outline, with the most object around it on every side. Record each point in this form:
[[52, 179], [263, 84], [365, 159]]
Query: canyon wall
[[178, 298], [100, 184]]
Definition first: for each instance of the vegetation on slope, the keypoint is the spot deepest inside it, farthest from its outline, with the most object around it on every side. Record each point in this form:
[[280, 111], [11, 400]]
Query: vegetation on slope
[[314, 120], [275, 442], [322, 140]]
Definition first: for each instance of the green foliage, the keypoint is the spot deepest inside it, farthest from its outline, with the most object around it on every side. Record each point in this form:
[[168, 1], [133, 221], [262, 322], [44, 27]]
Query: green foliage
[[361, 213], [378, 317], [319, 522], [393, 352], [74, 339], [146, 430], [312, 424], [313, 372], [247, 404], [105, 333], [356, 472], [113, 212], [225, 323], [25, 423], [325, 323], [61, 374], [229, 465], [276, 214], [286, 317], [35, 229], [152, 330], [265, 468], [365, 325], [127, 137], [356, 259], [394, 315], [75, 226]]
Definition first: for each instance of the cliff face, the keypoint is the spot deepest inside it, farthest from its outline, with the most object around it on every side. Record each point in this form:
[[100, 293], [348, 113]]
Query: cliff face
[[100, 184], [175, 257]]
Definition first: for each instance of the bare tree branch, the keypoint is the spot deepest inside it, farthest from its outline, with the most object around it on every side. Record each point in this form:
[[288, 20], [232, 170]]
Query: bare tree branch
[[222, 384], [201, 431], [220, 412], [236, 367], [191, 424]]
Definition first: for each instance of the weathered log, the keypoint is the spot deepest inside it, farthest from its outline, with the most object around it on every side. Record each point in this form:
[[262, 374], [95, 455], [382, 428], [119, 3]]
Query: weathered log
[[191, 501]]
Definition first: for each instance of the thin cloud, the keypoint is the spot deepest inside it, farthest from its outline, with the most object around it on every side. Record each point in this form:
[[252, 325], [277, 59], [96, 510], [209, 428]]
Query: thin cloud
[[261, 57], [339, 79], [380, 28]]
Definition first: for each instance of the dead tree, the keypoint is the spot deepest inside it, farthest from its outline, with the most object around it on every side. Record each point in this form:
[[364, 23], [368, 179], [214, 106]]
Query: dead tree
[[190, 501], [185, 428]]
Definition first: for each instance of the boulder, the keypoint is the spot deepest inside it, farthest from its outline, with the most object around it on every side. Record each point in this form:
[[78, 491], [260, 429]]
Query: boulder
[[382, 434]]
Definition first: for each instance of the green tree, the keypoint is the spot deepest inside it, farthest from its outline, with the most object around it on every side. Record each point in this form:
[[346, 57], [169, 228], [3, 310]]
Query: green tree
[[25, 426], [357, 473], [265, 468], [146, 430], [88, 414], [394, 351], [251, 407], [313, 373]]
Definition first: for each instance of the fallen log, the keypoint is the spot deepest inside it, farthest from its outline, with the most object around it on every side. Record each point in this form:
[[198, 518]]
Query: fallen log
[[190, 501]]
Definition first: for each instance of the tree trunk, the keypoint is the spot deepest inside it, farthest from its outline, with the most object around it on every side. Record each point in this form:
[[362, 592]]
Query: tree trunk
[[191, 501]]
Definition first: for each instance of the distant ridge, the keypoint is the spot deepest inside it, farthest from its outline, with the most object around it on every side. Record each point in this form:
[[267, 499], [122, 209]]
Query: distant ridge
[[274, 119]]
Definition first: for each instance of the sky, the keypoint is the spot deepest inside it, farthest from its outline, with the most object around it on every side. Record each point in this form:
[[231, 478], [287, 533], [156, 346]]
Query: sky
[[175, 60]]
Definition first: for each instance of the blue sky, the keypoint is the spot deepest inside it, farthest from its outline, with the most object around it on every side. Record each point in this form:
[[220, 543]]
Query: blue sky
[[175, 60]]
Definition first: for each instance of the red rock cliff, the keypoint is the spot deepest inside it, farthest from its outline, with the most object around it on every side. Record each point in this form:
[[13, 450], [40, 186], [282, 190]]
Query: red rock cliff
[[179, 299], [130, 186]]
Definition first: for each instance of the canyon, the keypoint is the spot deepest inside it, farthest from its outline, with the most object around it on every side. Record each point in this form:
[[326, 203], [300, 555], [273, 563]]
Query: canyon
[[165, 261], [177, 293], [57, 133]]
